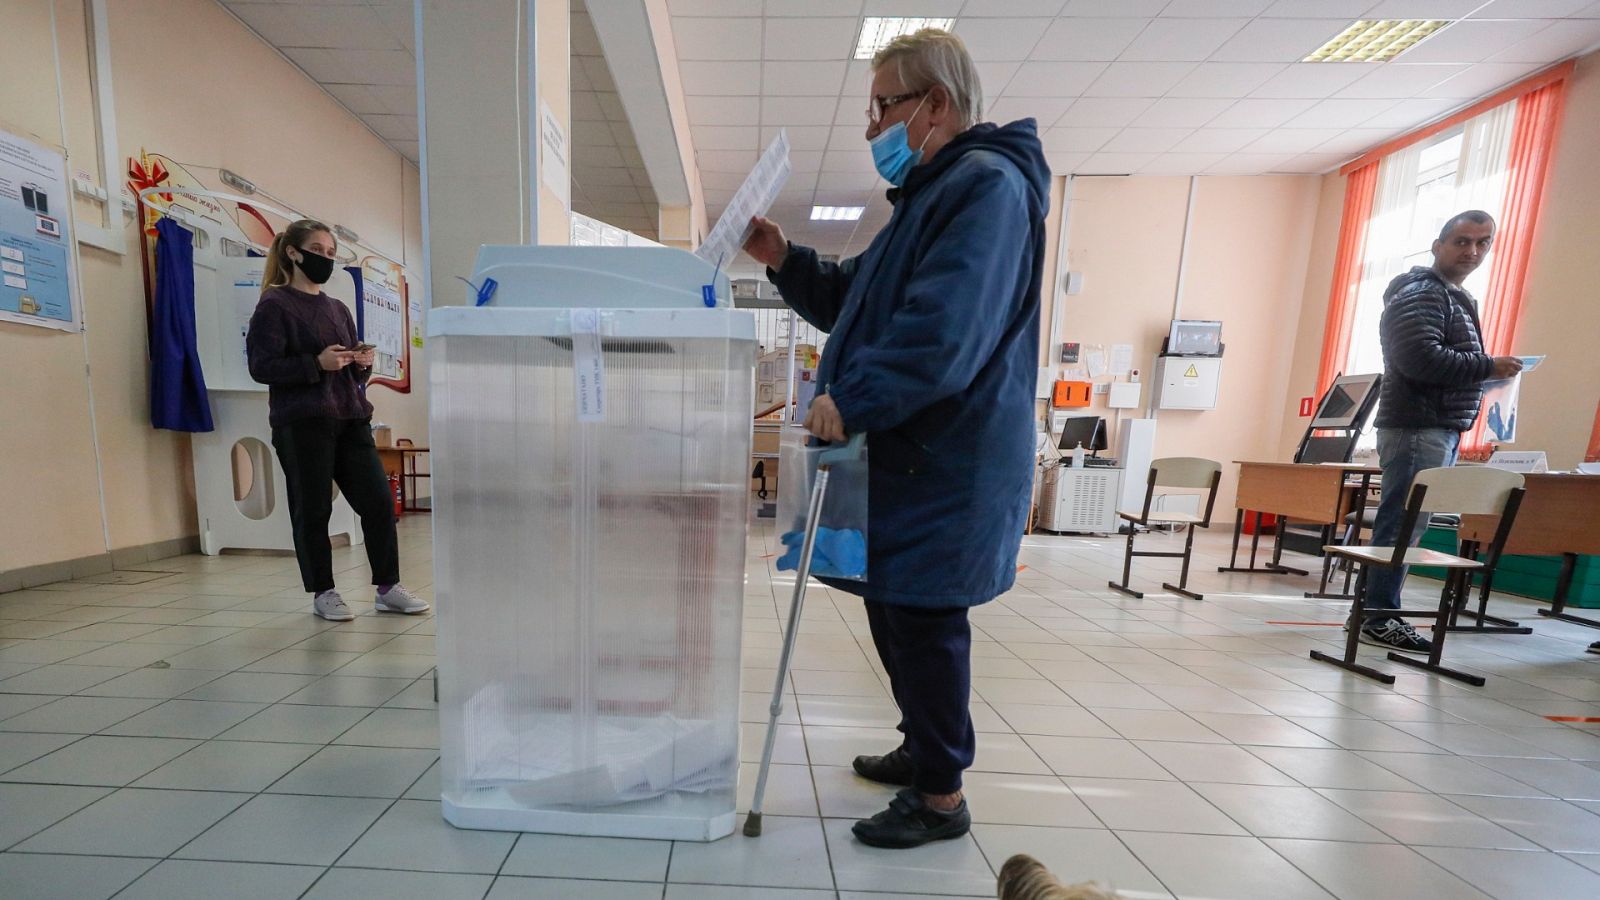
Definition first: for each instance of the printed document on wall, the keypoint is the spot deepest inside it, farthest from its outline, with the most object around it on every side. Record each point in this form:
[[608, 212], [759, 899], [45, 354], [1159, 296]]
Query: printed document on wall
[[35, 237], [753, 198]]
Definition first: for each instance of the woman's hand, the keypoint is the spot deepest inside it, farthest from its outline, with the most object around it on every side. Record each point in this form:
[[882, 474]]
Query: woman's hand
[[365, 358], [766, 243], [334, 357], [824, 421]]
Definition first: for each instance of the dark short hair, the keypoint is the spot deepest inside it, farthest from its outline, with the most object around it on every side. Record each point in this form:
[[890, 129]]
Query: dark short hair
[[1472, 215]]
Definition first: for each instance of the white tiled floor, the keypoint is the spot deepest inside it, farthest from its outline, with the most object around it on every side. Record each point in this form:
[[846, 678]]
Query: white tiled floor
[[200, 735]]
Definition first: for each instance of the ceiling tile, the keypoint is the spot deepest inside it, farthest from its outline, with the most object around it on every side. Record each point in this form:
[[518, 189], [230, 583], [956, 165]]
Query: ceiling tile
[[1172, 112], [393, 128], [1399, 81], [1422, 9], [715, 110], [400, 99], [1291, 140], [358, 98], [1077, 140], [607, 157], [1339, 113], [1278, 40], [1310, 80], [803, 137], [1182, 39], [1229, 80], [1046, 110], [738, 161], [1260, 113], [1314, 163], [717, 39], [1181, 163], [1011, 8], [1109, 112], [326, 66], [1310, 9], [713, 7], [1116, 163], [807, 8], [1180, 9], [339, 27], [586, 108], [399, 19], [1054, 79], [995, 77], [999, 40], [411, 150], [1356, 140], [1095, 40], [811, 38], [720, 78], [600, 75], [611, 193], [802, 111], [1144, 79], [844, 137], [594, 175], [802, 79], [1479, 81], [1146, 140], [1219, 140], [1249, 163], [611, 105], [849, 182], [1062, 163], [587, 133], [584, 41], [911, 7], [724, 137], [1531, 9], [847, 161], [802, 160], [1411, 113], [1470, 42], [1555, 42], [1097, 8]]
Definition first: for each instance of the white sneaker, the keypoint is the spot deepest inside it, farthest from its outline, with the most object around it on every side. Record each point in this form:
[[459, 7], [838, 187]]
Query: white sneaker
[[329, 605], [400, 600]]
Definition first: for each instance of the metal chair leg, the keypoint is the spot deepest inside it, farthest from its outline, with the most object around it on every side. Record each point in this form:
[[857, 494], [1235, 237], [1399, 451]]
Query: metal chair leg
[[1127, 568], [1460, 582], [1353, 639], [1182, 587]]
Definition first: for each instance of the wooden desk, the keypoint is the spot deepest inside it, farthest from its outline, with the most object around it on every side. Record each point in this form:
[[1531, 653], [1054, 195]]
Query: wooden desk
[[402, 461], [1314, 494], [1560, 516]]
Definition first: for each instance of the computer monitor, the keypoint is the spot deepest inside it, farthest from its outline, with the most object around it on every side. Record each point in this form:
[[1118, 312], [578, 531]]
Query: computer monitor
[[1347, 402], [1090, 431]]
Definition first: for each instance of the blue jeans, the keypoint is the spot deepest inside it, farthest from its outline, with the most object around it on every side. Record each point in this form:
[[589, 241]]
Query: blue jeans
[[1403, 452]]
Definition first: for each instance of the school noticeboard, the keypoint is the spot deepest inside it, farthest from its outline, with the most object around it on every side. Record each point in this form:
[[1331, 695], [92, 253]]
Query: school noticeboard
[[36, 276]]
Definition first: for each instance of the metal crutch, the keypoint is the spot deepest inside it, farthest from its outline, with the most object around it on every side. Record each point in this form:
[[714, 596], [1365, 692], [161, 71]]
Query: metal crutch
[[819, 490]]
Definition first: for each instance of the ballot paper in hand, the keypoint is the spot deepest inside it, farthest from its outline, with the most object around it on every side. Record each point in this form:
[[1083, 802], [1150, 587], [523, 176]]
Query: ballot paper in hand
[[1500, 409], [754, 198]]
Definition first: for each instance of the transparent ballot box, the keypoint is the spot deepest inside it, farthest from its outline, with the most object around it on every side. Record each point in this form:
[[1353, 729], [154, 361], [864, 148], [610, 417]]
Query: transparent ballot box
[[590, 470]]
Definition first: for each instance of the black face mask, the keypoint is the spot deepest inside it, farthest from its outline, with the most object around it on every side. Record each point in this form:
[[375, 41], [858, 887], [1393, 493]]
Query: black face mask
[[316, 267]]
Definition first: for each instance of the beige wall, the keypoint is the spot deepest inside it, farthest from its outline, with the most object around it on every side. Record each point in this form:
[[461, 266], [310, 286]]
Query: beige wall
[[1247, 259], [1561, 315], [211, 93]]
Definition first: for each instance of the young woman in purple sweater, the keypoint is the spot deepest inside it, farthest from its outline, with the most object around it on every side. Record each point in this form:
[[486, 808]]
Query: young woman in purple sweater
[[302, 344]]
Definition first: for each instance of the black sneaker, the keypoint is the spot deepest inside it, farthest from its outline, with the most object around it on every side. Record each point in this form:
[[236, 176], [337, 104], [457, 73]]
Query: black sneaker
[[909, 822], [892, 768], [1396, 634], [1594, 647]]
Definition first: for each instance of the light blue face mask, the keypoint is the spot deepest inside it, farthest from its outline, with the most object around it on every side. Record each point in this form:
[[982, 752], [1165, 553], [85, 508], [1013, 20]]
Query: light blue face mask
[[891, 150]]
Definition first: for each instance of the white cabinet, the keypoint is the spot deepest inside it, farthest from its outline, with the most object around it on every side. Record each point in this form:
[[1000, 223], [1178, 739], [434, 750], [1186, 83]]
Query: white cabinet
[[1080, 500]]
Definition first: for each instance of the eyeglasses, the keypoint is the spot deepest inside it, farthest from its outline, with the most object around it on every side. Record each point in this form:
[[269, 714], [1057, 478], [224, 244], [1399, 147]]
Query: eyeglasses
[[880, 106]]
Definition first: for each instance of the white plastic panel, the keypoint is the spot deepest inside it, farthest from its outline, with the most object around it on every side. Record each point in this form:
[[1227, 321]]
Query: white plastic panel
[[598, 277], [590, 575]]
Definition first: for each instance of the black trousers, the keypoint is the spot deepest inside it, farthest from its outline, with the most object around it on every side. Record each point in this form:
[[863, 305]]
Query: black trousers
[[928, 655], [316, 454]]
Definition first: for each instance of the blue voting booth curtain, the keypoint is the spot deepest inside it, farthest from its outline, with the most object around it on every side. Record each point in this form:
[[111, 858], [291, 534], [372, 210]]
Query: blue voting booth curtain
[[178, 398]]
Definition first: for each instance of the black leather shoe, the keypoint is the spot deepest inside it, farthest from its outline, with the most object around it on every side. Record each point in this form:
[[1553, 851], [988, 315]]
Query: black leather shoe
[[892, 768], [909, 822], [1593, 648]]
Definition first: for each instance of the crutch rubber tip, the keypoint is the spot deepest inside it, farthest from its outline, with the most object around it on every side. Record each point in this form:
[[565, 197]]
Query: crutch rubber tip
[[752, 825]]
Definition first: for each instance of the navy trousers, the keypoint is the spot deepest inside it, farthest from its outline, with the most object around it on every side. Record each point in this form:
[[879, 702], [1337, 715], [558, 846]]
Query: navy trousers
[[928, 655]]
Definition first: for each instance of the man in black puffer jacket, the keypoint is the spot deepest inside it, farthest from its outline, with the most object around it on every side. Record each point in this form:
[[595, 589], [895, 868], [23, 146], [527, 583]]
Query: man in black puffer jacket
[[1434, 368]]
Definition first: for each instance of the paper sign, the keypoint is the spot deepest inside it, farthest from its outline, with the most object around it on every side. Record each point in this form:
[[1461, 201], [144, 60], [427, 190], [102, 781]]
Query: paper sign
[[13, 268], [13, 281], [588, 366], [1096, 361], [1121, 359], [1529, 363], [753, 198], [34, 231], [553, 167], [1500, 409]]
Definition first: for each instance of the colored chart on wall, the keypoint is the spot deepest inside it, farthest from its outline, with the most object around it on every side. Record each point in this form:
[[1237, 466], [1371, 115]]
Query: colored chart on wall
[[384, 319], [36, 275]]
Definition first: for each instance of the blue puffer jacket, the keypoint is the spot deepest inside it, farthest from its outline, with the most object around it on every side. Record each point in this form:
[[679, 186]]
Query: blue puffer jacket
[[1434, 366], [933, 351]]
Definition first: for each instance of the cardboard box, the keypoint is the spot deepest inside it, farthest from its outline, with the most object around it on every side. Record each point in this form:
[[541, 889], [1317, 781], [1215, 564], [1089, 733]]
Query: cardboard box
[[383, 436]]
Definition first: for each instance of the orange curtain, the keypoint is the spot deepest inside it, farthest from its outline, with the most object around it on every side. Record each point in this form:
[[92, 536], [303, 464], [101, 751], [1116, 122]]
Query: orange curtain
[[1359, 189], [1532, 145]]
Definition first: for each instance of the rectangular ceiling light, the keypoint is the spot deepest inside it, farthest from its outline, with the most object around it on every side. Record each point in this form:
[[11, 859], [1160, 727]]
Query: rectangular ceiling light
[[878, 31], [836, 213], [1375, 40]]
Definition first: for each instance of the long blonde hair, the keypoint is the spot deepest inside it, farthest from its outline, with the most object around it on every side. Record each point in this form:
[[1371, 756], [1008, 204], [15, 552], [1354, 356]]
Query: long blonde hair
[[279, 266]]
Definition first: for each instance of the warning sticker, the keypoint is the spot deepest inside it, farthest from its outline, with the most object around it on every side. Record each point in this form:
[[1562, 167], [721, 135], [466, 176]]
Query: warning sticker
[[1194, 371]]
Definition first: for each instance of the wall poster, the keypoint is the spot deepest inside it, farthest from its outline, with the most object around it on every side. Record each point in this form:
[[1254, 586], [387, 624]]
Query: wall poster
[[37, 281]]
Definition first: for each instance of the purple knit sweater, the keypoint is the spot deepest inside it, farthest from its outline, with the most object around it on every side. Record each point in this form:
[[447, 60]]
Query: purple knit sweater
[[287, 331]]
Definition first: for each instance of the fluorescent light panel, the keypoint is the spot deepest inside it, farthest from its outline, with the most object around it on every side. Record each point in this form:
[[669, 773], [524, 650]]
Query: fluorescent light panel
[[836, 213], [1375, 40], [878, 31]]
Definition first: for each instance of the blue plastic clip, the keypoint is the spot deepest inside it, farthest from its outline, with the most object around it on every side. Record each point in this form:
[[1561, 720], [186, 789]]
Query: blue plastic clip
[[485, 291], [708, 292]]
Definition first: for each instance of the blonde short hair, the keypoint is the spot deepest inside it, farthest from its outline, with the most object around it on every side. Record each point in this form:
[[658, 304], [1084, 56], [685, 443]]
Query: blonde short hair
[[933, 56]]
